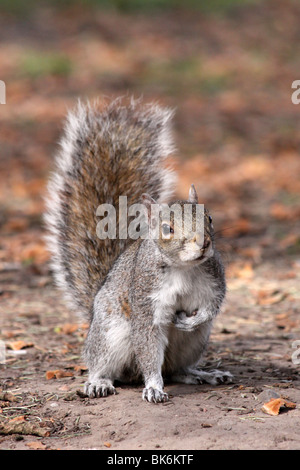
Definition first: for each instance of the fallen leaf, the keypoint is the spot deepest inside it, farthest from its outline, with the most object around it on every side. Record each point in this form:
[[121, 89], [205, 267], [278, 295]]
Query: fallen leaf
[[281, 212], [36, 252], [8, 396], [241, 271], [275, 404], [50, 374], [69, 328], [64, 388], [17, 345], [289, 240], [253, 252], [17, 419], [58, 374], [16, 224], [246, 272], [283, 320], [239, 227], [11, 333], [107, 444], [267, 297], [36, 445], [80, 369]]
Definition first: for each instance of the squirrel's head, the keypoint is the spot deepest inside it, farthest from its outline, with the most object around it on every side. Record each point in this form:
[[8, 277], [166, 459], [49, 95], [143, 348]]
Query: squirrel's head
[[183, 230]]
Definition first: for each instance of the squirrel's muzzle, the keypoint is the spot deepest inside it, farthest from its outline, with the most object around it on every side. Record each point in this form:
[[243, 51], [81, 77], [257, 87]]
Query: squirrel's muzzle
[[202, 242]]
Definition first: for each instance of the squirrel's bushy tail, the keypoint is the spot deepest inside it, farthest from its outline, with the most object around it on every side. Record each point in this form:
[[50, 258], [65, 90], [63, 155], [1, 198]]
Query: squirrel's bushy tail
[[118, 151]]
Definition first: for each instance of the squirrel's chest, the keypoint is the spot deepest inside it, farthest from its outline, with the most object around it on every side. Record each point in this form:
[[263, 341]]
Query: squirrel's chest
[[185, 290]]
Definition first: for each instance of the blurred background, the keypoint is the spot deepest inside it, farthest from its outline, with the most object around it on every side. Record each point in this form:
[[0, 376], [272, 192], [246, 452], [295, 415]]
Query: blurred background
[[226, 67]]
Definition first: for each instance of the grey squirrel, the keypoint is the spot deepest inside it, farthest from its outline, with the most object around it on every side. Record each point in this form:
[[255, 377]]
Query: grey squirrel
[[150, 302]]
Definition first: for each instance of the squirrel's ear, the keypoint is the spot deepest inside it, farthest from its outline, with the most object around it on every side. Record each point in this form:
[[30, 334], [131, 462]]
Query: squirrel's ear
[[147, 200], [193, 196]]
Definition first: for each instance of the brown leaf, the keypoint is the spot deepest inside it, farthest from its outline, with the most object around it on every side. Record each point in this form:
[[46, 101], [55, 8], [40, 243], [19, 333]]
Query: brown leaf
[[17, 345], [50, 374], [80, 369], [282, 212], [8, 396], [283, 320], [245, 272], [58, 374], [240, 270], [36, 445], [36, 251], [17, 419], [253, 252], [16, 224], [11, 333], [64, 388], [107, 444], [275, 404], [69, 328], [267, 297], [289, 240], [238, 227]]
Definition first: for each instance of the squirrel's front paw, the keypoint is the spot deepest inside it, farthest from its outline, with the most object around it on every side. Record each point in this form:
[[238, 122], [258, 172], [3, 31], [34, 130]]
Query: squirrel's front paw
[[154, 395], [99, 388]]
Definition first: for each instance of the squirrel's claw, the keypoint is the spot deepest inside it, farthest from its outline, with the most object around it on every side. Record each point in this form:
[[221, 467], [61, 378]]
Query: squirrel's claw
[[99, 389], [154, 395]]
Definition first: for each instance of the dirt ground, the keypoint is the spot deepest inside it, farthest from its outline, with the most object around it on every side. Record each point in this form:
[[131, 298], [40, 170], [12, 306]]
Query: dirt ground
[[229, 75]]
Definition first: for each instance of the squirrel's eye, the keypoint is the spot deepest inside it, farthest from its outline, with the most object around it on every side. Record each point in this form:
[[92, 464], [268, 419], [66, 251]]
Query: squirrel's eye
[[210, 219], [166, 229]]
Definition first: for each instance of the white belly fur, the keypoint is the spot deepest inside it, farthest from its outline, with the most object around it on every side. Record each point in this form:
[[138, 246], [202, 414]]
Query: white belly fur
[[185, 290]]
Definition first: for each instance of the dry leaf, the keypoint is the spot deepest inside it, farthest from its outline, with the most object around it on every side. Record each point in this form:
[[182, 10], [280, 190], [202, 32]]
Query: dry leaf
[[36, 445], [50, 374], [246, 272], [239, 227], [11, 333], [69, 328], [64, 388], [267, 297], [17, 419], [241, 271], [58, 374], [282, 212], [35, 251], [289, 240], [107, 444], [283, 320], [8, 396], [253, 252], [16, 224], [275, 404], [17, 345], [80, 369]]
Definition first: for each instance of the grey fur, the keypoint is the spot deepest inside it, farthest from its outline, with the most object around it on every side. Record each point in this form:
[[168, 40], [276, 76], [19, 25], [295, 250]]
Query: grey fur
[[152, 307]]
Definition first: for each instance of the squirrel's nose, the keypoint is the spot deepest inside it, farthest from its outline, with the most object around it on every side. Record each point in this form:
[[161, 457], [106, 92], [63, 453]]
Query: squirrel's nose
[[200, 242]]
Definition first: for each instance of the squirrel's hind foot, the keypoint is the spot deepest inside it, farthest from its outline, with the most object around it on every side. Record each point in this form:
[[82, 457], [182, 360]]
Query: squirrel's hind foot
[[99, 388], [196, 376]]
